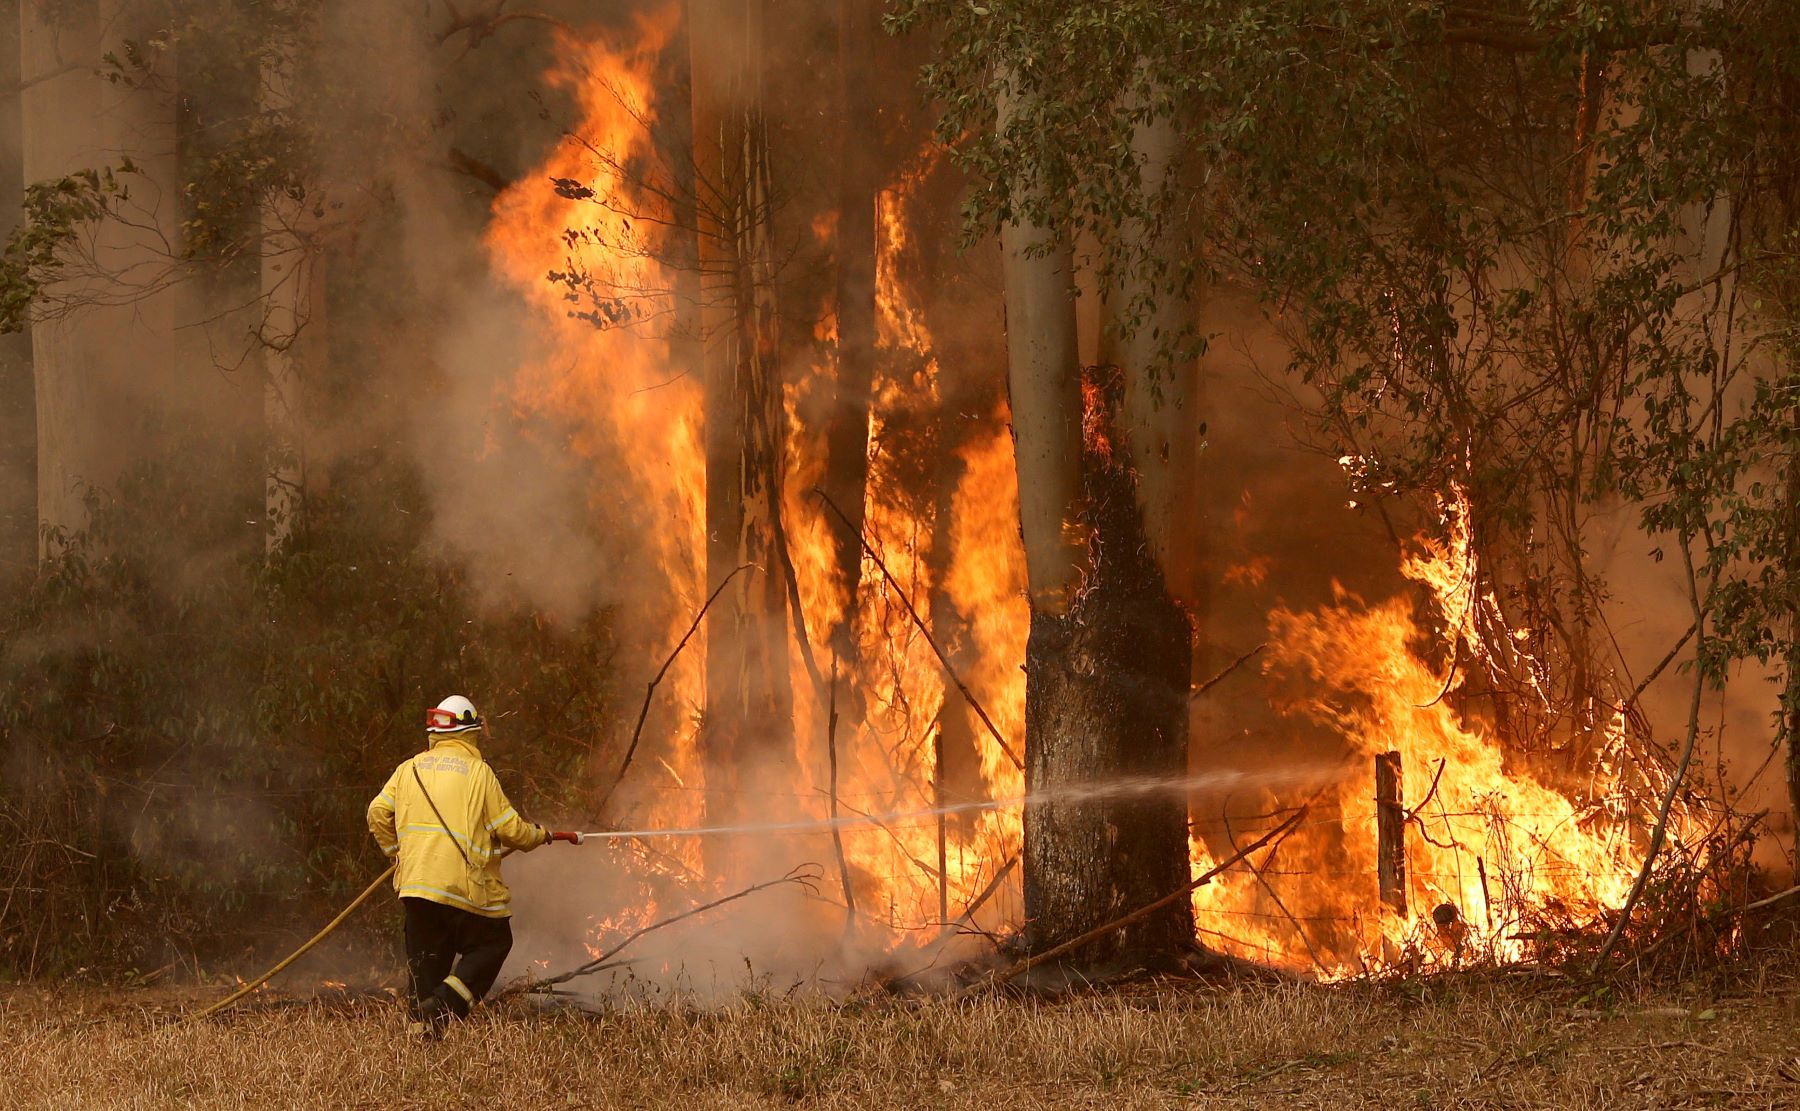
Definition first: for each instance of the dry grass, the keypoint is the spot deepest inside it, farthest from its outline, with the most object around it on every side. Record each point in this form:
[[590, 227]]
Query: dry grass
[[1462, 1043]]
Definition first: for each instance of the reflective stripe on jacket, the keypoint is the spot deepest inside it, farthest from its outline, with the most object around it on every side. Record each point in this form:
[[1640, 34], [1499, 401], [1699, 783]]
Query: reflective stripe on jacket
[[454, 860]]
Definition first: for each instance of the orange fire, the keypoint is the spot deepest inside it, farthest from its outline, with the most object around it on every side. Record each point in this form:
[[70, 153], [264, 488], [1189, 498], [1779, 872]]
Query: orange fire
[[615, 391], [1485, 838], [1489, 847]]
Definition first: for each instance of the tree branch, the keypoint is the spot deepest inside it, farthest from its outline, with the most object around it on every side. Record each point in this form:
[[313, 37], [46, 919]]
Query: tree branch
[[637, 731], [1144, 911], [924, 630], [800, 876]]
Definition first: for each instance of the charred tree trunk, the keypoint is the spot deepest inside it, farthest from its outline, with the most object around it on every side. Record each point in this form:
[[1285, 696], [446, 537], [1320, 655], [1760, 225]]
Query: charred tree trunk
[[1105, 700], [748, 700], [1107, 660]]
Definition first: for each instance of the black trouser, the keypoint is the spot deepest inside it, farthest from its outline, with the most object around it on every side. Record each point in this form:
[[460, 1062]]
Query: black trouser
[[436, 936]]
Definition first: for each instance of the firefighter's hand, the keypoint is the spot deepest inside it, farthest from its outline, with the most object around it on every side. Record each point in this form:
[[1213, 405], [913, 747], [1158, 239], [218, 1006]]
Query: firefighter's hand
[[571, 838]]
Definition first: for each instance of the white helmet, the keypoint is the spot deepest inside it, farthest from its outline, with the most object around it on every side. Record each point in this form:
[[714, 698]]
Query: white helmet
[[455, 714]]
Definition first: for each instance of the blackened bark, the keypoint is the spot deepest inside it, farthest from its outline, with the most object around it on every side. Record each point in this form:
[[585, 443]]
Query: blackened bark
[[1106, 700]]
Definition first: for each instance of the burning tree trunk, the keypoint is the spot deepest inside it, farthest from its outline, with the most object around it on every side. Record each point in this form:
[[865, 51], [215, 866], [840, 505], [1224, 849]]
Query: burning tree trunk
[[847, 435], [1107, 660], [748, 700]]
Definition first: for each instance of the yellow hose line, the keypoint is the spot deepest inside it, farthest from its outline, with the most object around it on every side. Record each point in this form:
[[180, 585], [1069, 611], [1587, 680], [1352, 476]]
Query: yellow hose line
[[298, 953]]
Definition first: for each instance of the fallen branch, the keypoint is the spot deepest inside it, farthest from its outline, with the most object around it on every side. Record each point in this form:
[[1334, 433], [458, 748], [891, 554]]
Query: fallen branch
[[988, 892], [1229, 668], [1659, 831], [924, 630], [1144, 911], [801, 876], [1270, 888], [637, 731]]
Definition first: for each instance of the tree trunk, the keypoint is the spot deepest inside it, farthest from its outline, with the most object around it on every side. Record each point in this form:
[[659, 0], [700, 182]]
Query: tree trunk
[[1107, 660], [957, 743], [53, 145], [18, 426], [847, 433], [114, 331], [1790, 695], [1161, 382], [292, 301], [748, 699], [1106, 700]]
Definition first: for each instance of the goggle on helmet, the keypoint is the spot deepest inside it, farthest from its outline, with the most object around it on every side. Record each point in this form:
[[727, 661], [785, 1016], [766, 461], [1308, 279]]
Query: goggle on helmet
[[440, 720]]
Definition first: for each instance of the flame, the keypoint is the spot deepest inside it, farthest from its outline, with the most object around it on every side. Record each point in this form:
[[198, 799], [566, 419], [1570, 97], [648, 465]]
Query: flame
[[888, 760], [1491, 848], [608, 380], [606, 376], [1487, 838]]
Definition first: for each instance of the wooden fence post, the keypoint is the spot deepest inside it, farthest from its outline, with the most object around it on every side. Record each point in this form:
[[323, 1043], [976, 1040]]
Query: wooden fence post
[[1390, 833]]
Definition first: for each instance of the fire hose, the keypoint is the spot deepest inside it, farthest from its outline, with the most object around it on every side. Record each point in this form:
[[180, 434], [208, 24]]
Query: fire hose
[[1120, 788], [252, 985], [249, 986]]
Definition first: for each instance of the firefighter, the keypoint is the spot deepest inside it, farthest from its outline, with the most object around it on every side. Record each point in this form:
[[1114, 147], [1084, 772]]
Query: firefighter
[[443, 814]]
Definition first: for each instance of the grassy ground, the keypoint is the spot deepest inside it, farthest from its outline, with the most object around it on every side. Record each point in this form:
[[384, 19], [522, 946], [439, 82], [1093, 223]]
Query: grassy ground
[[1468, 1042]]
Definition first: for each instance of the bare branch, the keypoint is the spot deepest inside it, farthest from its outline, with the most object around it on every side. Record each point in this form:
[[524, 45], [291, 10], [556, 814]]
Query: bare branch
[[924, 630], [637, 731]]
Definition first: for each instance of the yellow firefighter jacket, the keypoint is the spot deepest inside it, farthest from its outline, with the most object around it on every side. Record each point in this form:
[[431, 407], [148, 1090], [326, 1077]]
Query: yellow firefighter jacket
[[453, 859]]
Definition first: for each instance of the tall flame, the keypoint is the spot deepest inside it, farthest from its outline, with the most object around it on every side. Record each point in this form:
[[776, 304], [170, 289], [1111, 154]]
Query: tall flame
[[582, 240], [605, 377]]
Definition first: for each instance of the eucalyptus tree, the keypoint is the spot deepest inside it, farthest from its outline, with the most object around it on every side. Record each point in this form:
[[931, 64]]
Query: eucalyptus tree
[[1510, 247], [1103, 454]]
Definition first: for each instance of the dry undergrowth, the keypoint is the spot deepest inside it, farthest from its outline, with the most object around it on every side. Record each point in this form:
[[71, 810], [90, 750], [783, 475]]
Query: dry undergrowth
[[1451, 1043]]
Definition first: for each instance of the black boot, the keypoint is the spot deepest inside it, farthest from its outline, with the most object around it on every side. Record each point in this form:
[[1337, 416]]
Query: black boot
[[430, 1017]]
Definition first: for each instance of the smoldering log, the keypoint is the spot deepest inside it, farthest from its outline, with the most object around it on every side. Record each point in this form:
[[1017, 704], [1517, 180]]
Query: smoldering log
[[1390, 833]]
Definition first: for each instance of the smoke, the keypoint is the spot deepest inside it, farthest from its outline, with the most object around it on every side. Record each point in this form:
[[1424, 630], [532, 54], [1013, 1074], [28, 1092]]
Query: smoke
[[422, 354]]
